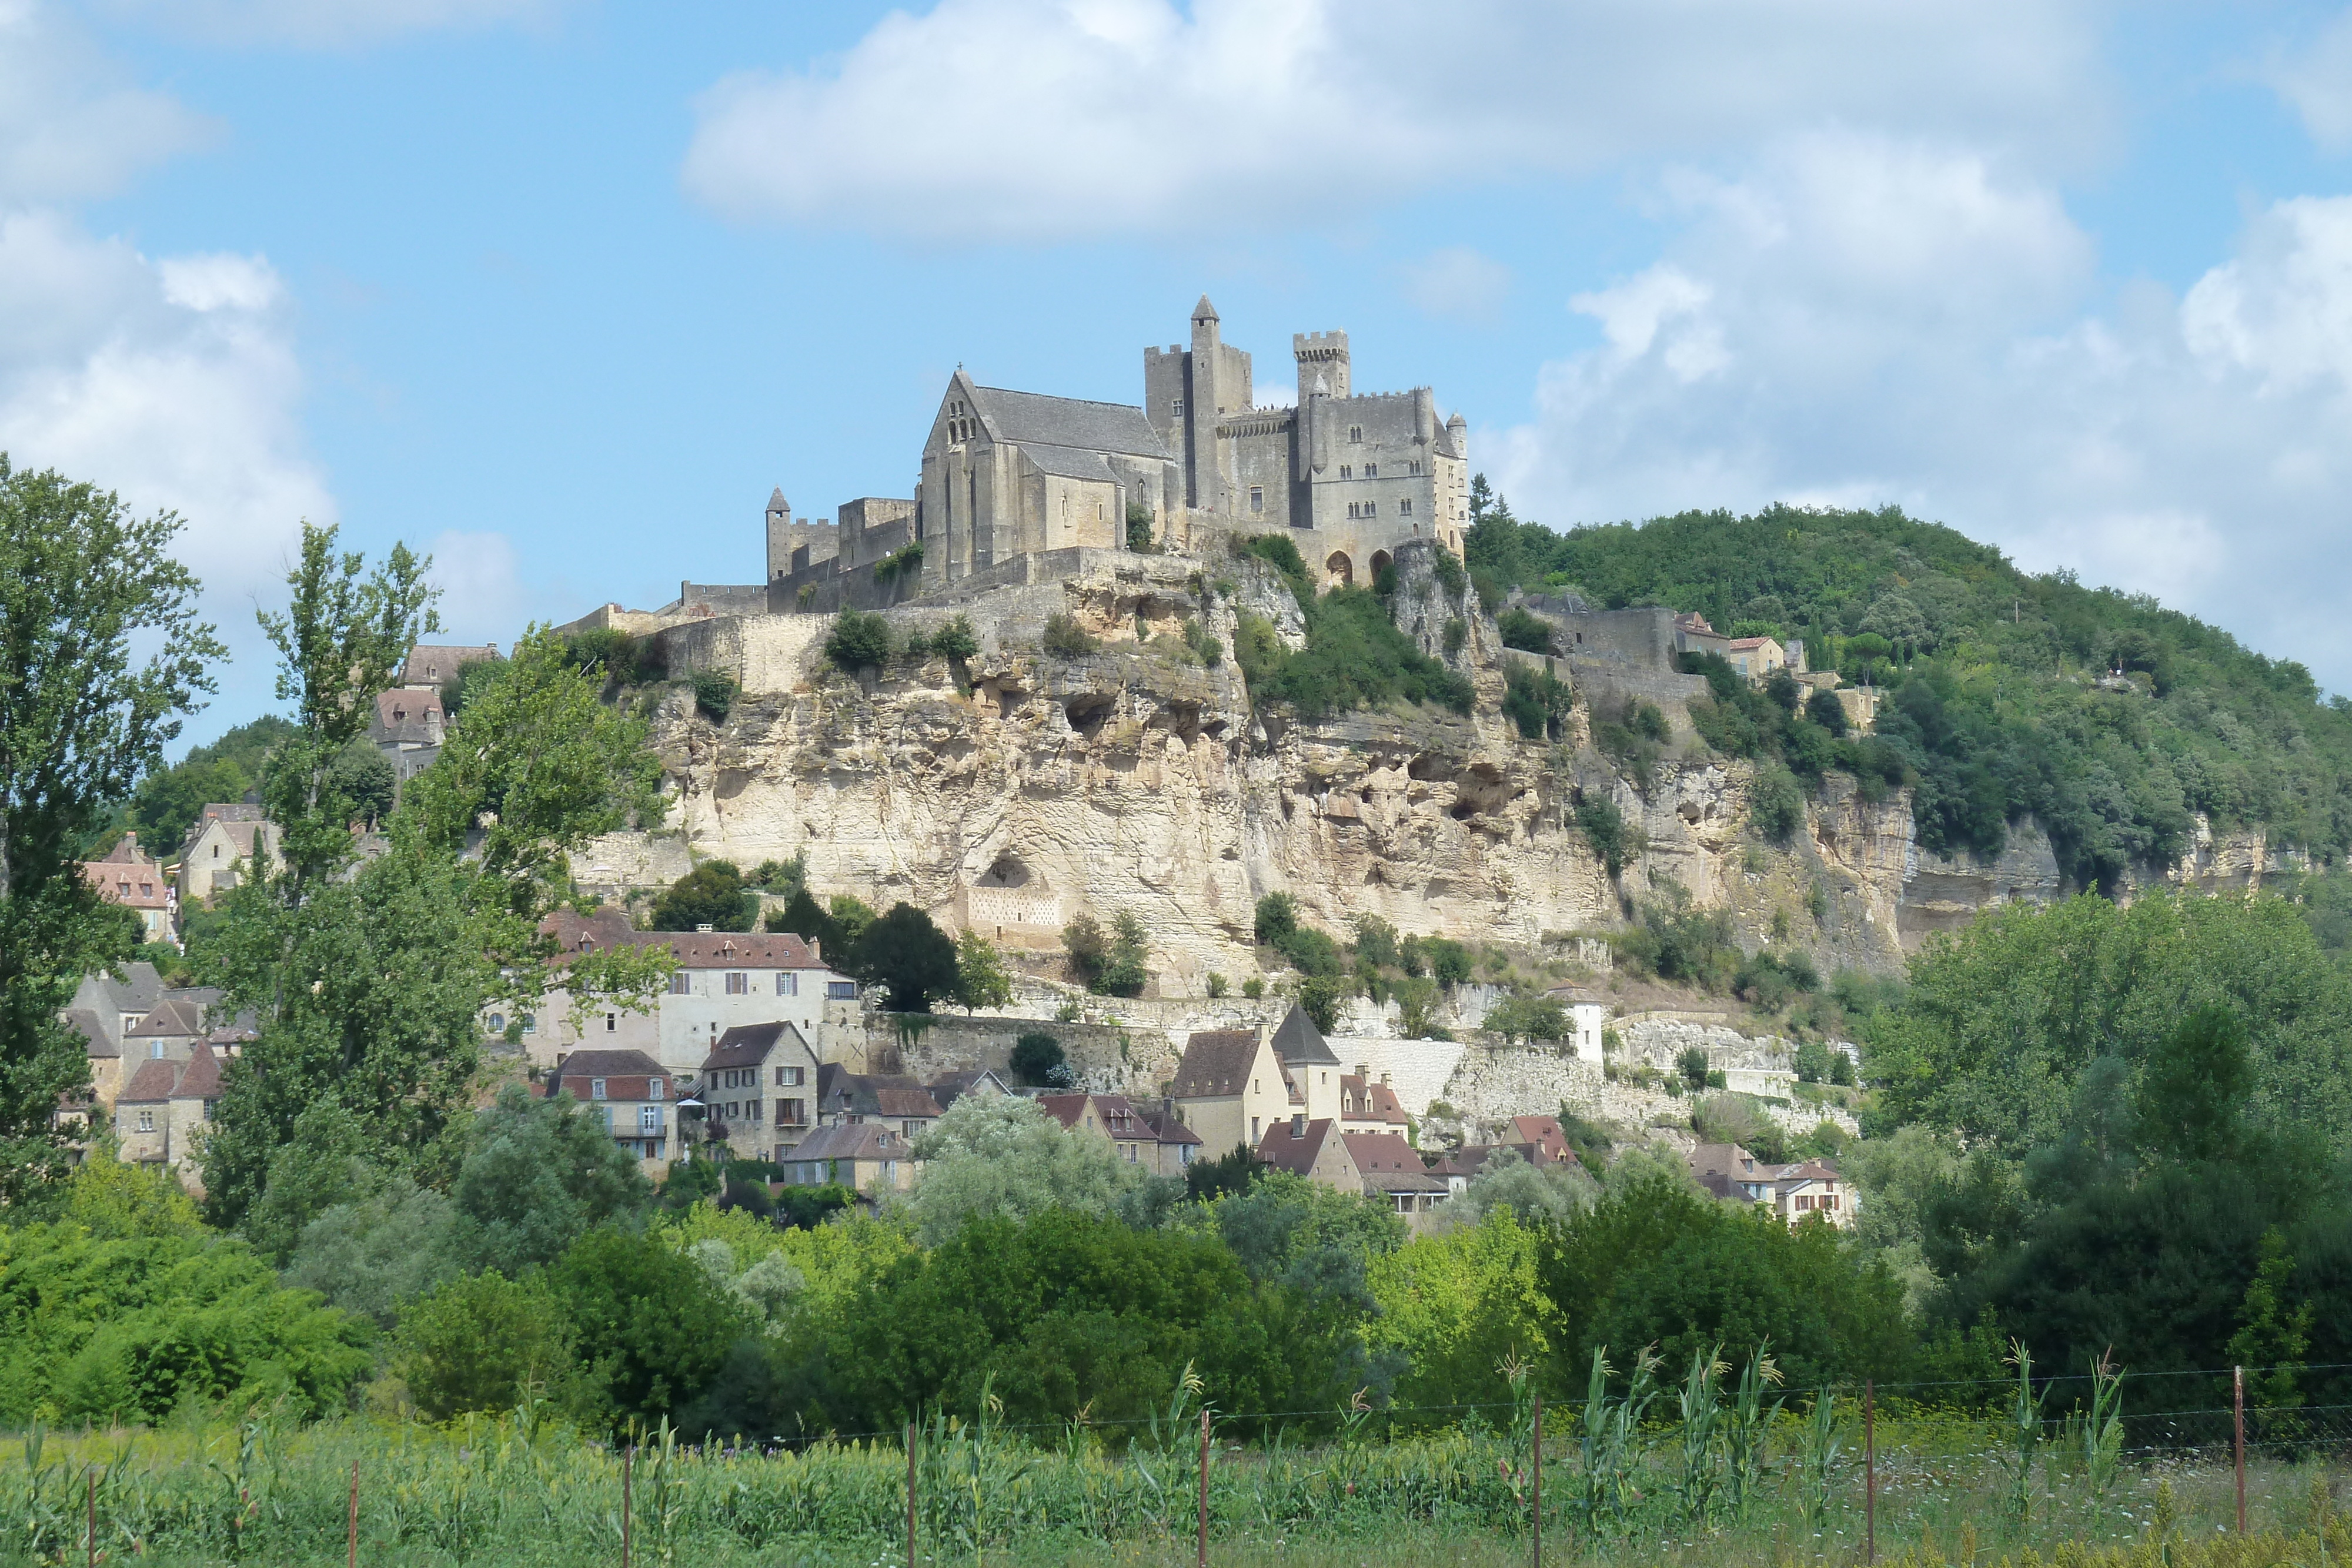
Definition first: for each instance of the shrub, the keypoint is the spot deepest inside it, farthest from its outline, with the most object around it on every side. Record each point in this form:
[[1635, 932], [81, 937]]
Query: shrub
[[1038, 1059], [1253, 987], [1450, 575], [711, 895], [1139, 529], [1692, 1065], [1064, 638], [1537, 702], [617, 653], [1203, 643], [1218, 984], [906, 560], [1528, 1017], [1320, 996], [1113, 964], [1278, 551], [1633, 736], [1778, 806], [1375, 939], [1355, 657], [1523, 631], [714, 694], [860, 640], [1825, 710], [1457, 632], [956, 639], [906, 953], [1449, 961], [785, 877], [1277, 918], [982, 978], [481, 1342], [1605, 827]]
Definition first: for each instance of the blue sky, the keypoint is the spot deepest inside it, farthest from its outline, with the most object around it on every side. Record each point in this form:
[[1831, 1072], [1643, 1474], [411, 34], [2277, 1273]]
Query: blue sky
[[558, 290]]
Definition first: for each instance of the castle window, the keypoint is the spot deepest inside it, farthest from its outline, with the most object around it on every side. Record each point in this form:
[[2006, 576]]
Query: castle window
[[1355, 433], [1404, 507], [1371, 470], [1414, 466], [1346, 471], [1257, 497], [1176, 408], [1372, 509]]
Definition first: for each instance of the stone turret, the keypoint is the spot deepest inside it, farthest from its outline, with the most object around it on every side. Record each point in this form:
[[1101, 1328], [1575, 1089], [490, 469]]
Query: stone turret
[[1323, 355]]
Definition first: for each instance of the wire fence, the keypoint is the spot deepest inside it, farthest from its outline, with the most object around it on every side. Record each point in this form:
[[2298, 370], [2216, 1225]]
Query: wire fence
[[1846, 1467]]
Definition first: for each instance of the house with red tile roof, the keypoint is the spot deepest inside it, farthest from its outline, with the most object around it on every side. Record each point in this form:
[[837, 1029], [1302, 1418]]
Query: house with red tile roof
[[1162, 1144], [1796, 1190], [1315, 1150], [757, 1089], [1392, 1168], [128, 876], [629, 1091]]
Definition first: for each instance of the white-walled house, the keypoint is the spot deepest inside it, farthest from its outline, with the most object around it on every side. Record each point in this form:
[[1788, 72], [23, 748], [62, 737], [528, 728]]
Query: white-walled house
[[725, 979]]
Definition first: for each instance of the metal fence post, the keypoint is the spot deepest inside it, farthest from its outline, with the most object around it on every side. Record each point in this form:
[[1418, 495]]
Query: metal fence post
[[1538, 1482], [2238, 1440], [1870, 1470], [1201, 1551], [911, 1495]]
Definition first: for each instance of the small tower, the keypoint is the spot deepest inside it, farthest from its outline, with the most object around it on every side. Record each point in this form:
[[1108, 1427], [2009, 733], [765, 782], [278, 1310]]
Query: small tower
[[780, 533], [1322, 355]]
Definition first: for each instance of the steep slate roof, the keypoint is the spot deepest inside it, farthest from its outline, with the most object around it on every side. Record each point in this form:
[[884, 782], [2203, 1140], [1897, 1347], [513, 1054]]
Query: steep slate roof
[[405, 716], [776, 502], [1299, 1041], [608, 1064], [748, 1045], [1296, 1154], [85, 1023], [1027, 417], [897, 1100], [1162, 1120], [950, 1087], [1374, 1102], [1215, 1062], [173, 1018]]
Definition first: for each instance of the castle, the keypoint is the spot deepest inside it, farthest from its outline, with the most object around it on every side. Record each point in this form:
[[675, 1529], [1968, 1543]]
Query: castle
[[1013, 474]]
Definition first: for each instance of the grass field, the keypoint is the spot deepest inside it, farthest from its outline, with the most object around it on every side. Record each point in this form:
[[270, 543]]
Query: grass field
[[488, 1492]]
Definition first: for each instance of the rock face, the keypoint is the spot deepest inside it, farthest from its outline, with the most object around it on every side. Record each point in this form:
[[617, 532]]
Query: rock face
[[1017, 790]]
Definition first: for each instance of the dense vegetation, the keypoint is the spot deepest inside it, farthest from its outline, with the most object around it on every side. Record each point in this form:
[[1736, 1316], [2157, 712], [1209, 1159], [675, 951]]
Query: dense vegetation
[[1355, 656], [2103, 717]]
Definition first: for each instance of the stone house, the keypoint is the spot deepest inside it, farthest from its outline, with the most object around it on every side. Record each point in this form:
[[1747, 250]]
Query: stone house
[[724, 978], [1588, 1015], [432, 665], [1392, 1168], [1753, 658], [891, 1100], [162, 1112], [127, 875], [632, 1092], [1162, 1144], [757, 1089], [865, 1156], [407, 727], [1803, 1189], [1316, 1150], [1370, 1107], [226, 843], [1231, 1085]]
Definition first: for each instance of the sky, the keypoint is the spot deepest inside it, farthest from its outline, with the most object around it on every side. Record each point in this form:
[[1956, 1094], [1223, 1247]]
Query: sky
[[560, 289]]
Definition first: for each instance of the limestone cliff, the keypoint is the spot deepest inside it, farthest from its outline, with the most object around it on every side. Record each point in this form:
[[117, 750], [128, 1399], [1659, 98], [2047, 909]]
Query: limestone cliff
[[1017, 790]]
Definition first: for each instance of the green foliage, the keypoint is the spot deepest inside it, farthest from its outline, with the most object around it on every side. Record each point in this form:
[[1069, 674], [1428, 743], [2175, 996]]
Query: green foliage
[[1692, 1065], [1037, 1059], [101, 653], [1538, 703], [482, 1342], [1675, 941], [1823, 709], [1995, 709], [905, 561], [126, 1310], [1633, 734], [1457, 632], [1605, 827], [1320, 996], [860, 640], [1203, 643], [1278, 552], [1521, 630], [612, 657], [1376, 941], [715, 692], [1139, 528], [784, 877], [1065, 639], [956, 639], [167, 801], [373, 1253], [1112, 964], [982, 980], [1776, 806], [1002, 1155], [711, 895], [362, 778], [650, 1327], [537, 1174], [1529, 1019], [906, 953], [1355, 657], [1277, 918]]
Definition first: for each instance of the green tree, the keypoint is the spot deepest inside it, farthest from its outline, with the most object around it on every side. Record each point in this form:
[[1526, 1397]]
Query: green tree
[[362, 778], [374, 1254], [1529, 1019], [982, 978], [537, 1174], [167, 801], [908, 956], [860, 640], [649, 1327], [1037, 1059], [1004, 1156], [101, 653], [483, 1343], [711, 895]]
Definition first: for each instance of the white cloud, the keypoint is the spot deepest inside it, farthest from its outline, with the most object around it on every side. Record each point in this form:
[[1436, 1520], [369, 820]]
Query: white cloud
[[483, 597], [71, 128], [1458, 283], [1878, 322], [1049, 119], [329, 23], [2316, 82]]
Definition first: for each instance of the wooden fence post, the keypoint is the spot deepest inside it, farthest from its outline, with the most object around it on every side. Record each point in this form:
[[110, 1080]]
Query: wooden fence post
[[1200, 1546], [1538, 1482], [352, 1557], [1870, 1470], [629, 1459], [2238, 1441], [911, 1495]]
